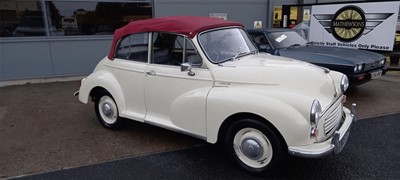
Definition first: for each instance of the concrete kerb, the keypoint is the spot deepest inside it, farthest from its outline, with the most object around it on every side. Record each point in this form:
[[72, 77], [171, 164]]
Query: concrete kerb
[[40, 80]]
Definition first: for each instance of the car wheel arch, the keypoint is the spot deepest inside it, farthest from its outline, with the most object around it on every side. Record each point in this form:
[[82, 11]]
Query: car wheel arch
[[113, 91], [272, 109], [110, 118], [96, 91], [238, 116]]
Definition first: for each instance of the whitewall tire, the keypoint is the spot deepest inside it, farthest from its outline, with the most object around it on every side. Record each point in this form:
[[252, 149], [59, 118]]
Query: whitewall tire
[[254, 146], [107, 111]]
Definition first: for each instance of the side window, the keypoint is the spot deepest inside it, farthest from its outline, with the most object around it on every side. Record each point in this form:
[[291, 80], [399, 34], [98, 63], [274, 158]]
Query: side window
[[133, 47], [191, 54], [167, 49]]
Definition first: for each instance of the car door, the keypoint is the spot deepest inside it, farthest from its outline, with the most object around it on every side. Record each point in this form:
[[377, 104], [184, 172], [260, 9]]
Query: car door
[[176, 99], [128, 67]]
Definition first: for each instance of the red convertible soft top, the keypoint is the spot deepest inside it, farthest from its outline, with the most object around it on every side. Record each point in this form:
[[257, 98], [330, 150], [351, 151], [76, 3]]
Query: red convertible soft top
[[186, 25]]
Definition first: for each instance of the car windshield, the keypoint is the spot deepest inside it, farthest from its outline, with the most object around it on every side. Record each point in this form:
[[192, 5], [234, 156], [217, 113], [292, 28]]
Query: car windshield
[[285, 39], [226, 44]]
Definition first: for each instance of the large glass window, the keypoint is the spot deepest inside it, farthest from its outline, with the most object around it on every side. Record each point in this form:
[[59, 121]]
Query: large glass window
[[66, 18], [94, 18], [21, 18]]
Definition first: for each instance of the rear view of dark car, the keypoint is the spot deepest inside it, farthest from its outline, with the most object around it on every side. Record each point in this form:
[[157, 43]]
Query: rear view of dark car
[[360, 66]]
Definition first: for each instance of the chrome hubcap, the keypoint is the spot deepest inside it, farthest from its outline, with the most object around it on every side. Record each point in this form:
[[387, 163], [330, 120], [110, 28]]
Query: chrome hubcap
[[252, 148], [107, 110]]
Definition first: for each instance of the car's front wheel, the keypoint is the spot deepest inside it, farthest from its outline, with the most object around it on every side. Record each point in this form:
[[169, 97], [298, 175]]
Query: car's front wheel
[[254, 146], [107, 111]]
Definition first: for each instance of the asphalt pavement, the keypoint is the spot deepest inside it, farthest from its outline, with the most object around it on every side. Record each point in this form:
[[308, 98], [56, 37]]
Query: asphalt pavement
[[43, 128], [371, 153]]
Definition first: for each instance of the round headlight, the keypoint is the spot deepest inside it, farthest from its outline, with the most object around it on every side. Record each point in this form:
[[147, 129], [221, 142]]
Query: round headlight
[[344, 83], [355, 68], [315, 112], [382, 62], [359, 67]]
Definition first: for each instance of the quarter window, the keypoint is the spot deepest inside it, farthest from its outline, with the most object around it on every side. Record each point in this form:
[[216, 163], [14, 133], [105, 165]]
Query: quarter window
[[133, 47]]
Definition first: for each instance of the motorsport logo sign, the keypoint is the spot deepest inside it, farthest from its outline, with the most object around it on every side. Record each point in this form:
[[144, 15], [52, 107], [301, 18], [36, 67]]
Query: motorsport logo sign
[[358, 26]]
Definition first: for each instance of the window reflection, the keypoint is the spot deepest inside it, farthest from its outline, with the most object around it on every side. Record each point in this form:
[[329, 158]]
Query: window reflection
[[66, 18], [21, 18], [95, 18]]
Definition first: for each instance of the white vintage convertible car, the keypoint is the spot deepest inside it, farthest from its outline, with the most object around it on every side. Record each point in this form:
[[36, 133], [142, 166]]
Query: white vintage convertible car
[[204, 77]]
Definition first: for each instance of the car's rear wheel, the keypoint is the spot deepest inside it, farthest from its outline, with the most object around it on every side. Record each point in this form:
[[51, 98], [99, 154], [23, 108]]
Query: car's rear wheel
[[254, 146], [107, 110]]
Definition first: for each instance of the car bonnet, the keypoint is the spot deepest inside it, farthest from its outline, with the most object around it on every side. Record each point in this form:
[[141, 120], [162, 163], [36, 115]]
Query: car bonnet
[[321, 54]]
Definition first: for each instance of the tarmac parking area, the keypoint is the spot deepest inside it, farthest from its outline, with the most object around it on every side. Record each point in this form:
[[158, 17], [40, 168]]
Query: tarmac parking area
[[370, 153], [44, 128]]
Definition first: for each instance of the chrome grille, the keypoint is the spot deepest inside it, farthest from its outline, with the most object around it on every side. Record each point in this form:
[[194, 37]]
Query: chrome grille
[[334, 116]]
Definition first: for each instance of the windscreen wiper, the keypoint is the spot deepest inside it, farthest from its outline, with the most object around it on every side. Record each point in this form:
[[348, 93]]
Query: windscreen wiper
[[294, 45], [240, 54]]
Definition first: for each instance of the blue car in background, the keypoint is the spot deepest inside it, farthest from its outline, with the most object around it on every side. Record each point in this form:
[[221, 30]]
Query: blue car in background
[[360, 66]]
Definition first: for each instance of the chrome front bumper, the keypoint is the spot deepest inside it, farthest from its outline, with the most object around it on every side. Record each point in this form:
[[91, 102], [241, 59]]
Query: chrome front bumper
[[334, 144]]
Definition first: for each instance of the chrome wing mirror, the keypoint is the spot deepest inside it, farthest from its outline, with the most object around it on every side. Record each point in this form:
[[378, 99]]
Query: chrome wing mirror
[[187, 67]]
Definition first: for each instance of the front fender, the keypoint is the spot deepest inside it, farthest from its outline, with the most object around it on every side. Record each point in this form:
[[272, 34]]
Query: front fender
[[106, 80], [290, 120], [336, 77]]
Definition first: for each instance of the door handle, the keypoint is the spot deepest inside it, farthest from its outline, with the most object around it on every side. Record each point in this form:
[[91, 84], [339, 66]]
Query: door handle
[[151, 73]]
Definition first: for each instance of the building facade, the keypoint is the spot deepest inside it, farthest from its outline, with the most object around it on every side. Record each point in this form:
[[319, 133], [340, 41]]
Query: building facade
[[63, 38]]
